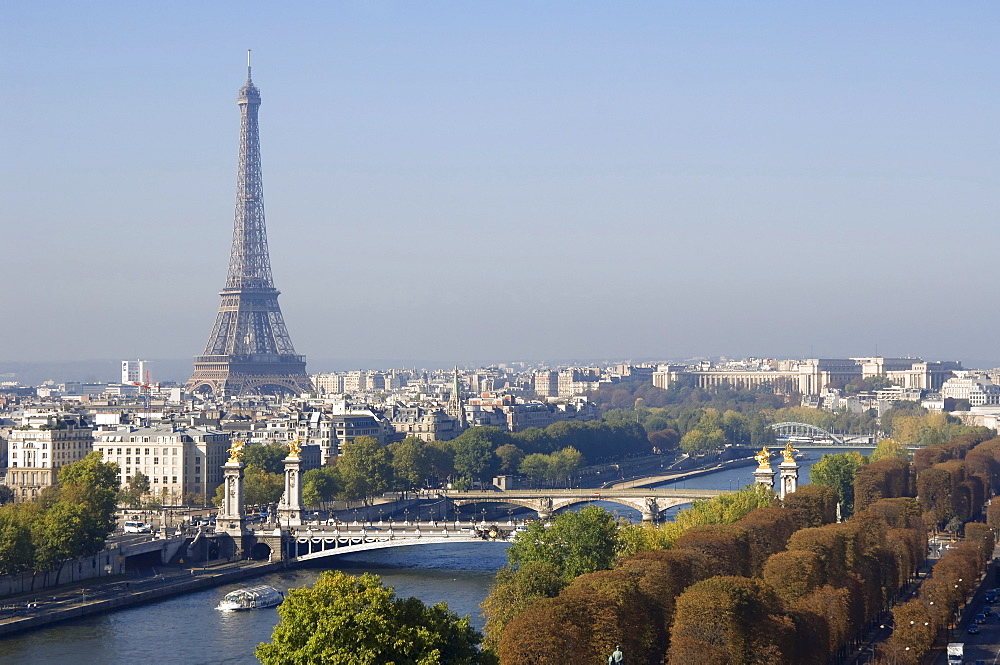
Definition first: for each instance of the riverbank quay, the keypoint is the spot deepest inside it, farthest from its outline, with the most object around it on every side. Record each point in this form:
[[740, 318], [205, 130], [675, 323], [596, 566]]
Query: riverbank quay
[[682, 475], [26, 612]]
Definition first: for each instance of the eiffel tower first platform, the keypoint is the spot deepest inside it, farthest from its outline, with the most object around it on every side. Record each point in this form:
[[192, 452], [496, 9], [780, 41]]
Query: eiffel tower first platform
[[249, 350]]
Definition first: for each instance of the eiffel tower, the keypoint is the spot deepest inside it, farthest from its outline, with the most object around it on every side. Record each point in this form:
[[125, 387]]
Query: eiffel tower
[[249, 350]]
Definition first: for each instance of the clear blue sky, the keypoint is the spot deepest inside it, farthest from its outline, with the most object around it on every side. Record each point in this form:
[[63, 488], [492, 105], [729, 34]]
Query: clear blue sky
[[463, 181]]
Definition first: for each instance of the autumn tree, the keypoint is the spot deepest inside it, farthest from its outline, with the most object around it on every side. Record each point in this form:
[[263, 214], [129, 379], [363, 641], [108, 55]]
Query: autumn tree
[[515, 589], [813, 505], [730, 620]]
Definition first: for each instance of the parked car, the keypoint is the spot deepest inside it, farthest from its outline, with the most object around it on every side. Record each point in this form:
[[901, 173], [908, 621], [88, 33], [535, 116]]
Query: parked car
[[980, 618]]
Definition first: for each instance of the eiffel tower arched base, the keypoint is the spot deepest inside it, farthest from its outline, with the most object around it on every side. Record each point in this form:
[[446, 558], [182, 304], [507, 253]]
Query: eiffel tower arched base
[[224, 383]]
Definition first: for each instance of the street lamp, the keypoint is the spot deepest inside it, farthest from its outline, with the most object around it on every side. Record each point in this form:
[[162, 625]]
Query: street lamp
[[484, 514], [406, 515]]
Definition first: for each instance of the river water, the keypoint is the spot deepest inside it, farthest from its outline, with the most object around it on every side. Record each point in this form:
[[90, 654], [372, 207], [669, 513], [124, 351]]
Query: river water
[[188, 629]]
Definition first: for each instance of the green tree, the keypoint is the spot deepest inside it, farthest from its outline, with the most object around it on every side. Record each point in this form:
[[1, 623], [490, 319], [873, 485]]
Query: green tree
[[6, 495], [266, 456], [138, 486], [563, 464], [260, 488], [575, 543], [474, 458], [16, 549], [364, 468], [319, 485], [357, 621], [698, 441], [62, 533], [411, 464], [535, 466], [92, 485], [838, 471], [510, 458]]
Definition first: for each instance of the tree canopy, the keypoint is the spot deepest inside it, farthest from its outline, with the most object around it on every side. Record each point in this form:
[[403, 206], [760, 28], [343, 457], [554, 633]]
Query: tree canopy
[[346, 620], [575, 543]]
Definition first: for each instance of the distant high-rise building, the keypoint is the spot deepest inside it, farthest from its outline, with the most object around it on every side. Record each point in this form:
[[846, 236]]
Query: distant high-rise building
[[249, 350], [133, 371]]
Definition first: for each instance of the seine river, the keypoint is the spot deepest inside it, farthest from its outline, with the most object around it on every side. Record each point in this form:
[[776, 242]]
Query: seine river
[[188, 629]]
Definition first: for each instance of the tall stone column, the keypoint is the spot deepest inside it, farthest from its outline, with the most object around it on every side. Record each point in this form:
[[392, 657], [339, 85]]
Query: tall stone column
[[788, 471], [763, 474], [232, 517], [290, 507]]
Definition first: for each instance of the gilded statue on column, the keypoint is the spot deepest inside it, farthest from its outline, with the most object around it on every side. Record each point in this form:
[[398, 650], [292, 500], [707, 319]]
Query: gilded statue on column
[[789, 453], [294, 448], [235, 451], [763, 458]]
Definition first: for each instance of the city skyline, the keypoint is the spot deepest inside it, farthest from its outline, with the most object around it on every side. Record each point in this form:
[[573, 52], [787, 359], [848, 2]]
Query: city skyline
[[463, 183]]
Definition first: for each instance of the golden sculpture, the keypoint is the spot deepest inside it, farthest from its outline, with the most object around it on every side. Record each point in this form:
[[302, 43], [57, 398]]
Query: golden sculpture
[[763, 458], [294, 448], [789, 453], [236, 451]]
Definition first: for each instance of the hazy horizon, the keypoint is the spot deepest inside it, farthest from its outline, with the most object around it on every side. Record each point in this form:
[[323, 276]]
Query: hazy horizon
[[178, 370], [515, 180]]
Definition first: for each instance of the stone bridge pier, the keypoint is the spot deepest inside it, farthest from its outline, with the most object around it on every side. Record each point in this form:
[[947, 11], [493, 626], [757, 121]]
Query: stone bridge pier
[[650, 510]]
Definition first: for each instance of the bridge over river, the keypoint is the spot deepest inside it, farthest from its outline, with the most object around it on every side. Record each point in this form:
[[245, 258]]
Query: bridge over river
[[650, 502], [294, 539]]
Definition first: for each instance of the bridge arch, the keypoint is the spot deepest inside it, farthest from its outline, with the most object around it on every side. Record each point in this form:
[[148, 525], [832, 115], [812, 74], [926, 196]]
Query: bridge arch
[[789, 429], [649, 503], [307, 546]]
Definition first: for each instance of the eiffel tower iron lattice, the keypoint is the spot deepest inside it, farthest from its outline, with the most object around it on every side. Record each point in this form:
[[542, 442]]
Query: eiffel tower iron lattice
[[249, 350]]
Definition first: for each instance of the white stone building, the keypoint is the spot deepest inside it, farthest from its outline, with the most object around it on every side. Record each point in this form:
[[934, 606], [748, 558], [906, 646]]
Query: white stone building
[[40, 446], [179, 461]]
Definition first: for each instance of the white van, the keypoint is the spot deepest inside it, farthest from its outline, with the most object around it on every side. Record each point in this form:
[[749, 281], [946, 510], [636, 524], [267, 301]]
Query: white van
[[137, 527]]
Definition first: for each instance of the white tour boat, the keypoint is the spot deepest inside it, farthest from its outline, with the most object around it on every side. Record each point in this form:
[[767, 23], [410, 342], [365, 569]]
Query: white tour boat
[[251, 598]]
